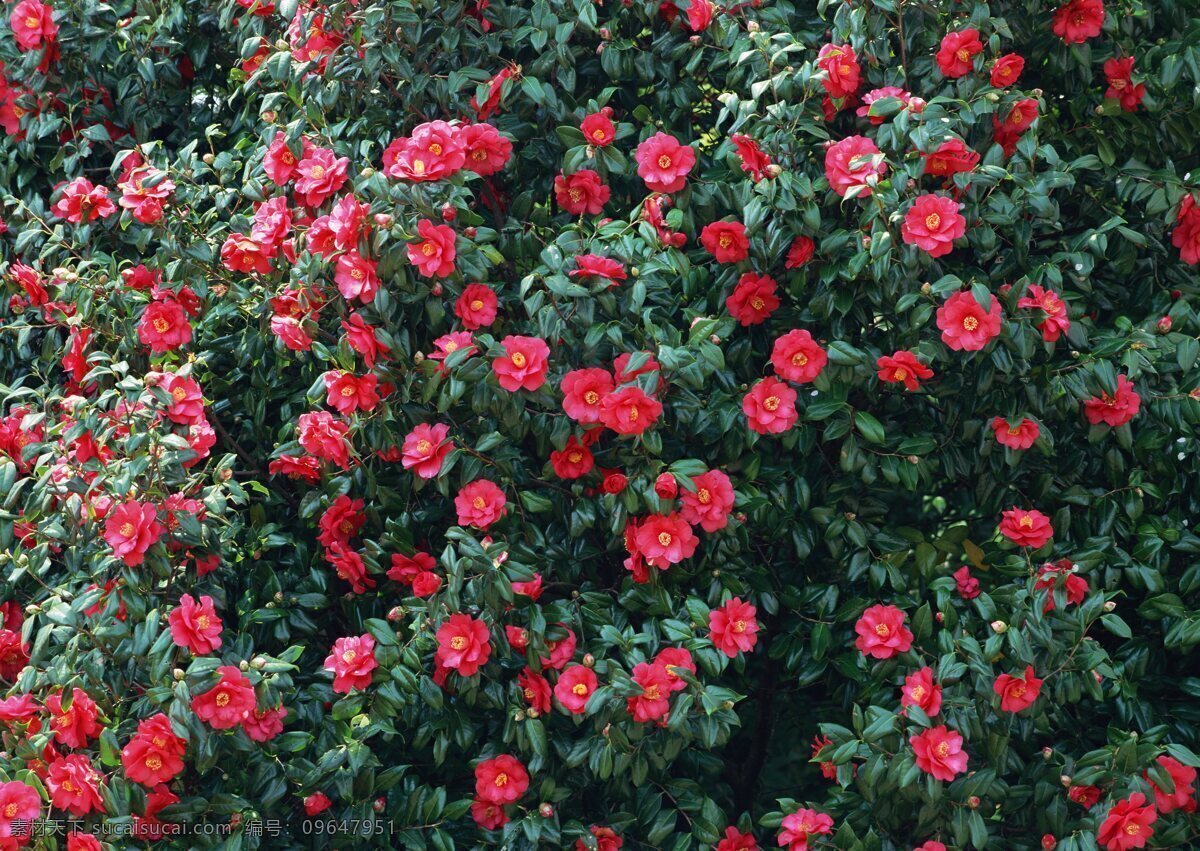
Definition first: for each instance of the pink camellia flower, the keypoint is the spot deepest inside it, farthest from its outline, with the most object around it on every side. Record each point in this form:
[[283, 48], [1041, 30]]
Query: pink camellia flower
[[1114, 410], [356, 277], [735, 840], [770, 407], [1078, 20], [524, 364], [74, 785], [480, 504], [573, 460], [874, 95], [434, 254], [754, 161], [1127, 824], [195, 625], [950, 158], [921, 691], [584, 392], [164, 326], [363, 339], [463, 644], [753, 300], [1026, 528], [629, 410], [855, 164], [797, 357], [726, 241], [241, 253], [1017, 693], [500, 780], [227, 703], [882, 633], [18, 803], [535, 689], [595, 266], [932, 224], [407, 568], [1057, 321], [575, 687], [346, 392], [83, 202], [325, 437], [581, 192], [598, 128], [279, 162], [733, 627], [663, 163], [699, 15], [33, 27], [708, 506], [1119, 73], [1075, 587], [476, 307], [155, 753], [965, 325], [319, 175], [486, 149], [352, 661], [77, 724], [843, 75], [434, 151], [939, 753], [1184, 779], [1007, 70], [187, 399], [665, 540], [931, 845], [799, 827], [342, 520], [144, 192], [262, 725], [800, 252], [654, 701], [673, 660], [956, 55], [1020, 436], [425, 449], [131, 528], [902, 367], [317, 802]]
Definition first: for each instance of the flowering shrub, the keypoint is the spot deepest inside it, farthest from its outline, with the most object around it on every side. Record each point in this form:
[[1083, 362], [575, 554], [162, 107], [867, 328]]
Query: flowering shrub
[[565, 424]]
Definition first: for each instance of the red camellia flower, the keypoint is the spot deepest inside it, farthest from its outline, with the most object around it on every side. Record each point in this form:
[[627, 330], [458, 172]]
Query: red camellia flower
[[1119, 73], [1057, 322], [950, 158], [932, 224], [1183, 778], [573, 460], [594, 266], [476, 307], [131, 529], [1017, 693], [629, 410], [965, 325], [665, 540], [434, 254], [575, 687], [319, 175], [770, 407], [187, 399], [347, 392], [195, 625], [663, 163], [488, 152], [320, 434], [854, 163], [797, 357], [921, 691], [800, 252], [708, 506], [931, 845], [317, 802], [164, 326], [76, 725], [733, 627], [524, 364], [1019, 119], [753, 299], [1074, 586], [956, 55], [407, 568], [1114, 410], [726, 241], [1026, 528], [434, 151], [598, 128], [74, 785], [735, 840], [18, 803], [1020, 436], [581, 192], [463, 644], [606, 840], [500, 780], [882, 633], [535, 689], [425, 449], [1085, 796], [799, 827], [1077, 21], [654, 701], [843, 75], [939, 752], [228, 702], [33, 26], [355, 277], [279, 162], [902, 368], [352, 661], [754, 161], [480, 504], [83, 202], [1007, 70], [155, 753], [487, 815], [584, 392], [1127, 824]]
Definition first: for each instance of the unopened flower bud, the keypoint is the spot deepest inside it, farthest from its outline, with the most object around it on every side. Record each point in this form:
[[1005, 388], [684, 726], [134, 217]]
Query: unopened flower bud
[[999, 627], [380, 804], [545, 810], [926, 288], [449, 213], [589, 661], [384, 220], [1110, 606], [178, 674], [395, 614], [258, 663], [1048, 842], [973, 802], [773, 170], [1065, 780], [244, 665], [1163, 325], [752, 26], [1047, 753]]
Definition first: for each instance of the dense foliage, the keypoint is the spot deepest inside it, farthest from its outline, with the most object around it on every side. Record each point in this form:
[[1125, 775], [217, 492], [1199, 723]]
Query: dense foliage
[[577, 424]]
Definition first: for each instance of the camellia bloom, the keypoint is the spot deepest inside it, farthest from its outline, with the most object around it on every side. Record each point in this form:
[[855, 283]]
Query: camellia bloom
[[352, 661], [581, 192], [931, 845], [323, 436], [76, 725], [882, 633], [500, 780], [663, 163], [966, 584], [874, 95], [595, 266], [346, 392], [770, 407], [83, 202], [1024, 528], [18, 802], [575, 687], [488, 152], [1127, 824], [799, 827], [279, 162], [598, 128], [573, 460], [843, 75], [434, 151], [584, 391], [708, 506], [606, 840], [164, 326], [956, 55], [1184, 778], [674, 660], [317, 802], [654, 701], [939, 752], [463, 644], [726, 241], [921, 691], [950, 158], [74, 785], [800, 252], [1076, 22], [319, 175], [356, 277], [476, 307], [1057, 321], [1074, 586], [524, 364], [228, 702], [534, 689], [902, 367], [1114, 410], [665, 540], [241, 253], [480, 504], [145, 202], [1085, 796], [195, 625], [1119, 73], [629, 410], [1020, 436], [753, 299], [33, 27], [155, 753], [187, 399], [1007, 70], [131, 529], [735, 840], [754, 161], [1017, 693], [434, 254], [425, 449], [854, 163], [932, 224], [797, 357], [965, 325], [733, 627]]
